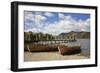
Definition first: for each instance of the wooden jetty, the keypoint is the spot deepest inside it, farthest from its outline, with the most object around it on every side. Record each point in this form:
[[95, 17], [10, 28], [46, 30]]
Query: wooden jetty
[[55, 41]]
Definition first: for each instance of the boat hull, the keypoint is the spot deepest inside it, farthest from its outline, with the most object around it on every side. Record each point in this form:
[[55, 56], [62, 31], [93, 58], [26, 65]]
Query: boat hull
[[69, 50]]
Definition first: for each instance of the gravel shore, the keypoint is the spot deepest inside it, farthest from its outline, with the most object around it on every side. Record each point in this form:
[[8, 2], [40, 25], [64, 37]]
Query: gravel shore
[[47, 56]]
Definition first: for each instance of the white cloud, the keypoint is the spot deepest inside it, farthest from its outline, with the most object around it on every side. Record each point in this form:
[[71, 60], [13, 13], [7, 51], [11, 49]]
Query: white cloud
[[34, 20], [65, 24], [85, 25], [48, 14], [31, 29], [61, 16], [68, 18], [39, 21], [39, 18], [29, 16]]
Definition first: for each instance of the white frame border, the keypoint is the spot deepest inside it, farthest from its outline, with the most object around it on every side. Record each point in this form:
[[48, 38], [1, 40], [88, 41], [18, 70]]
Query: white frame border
[[22, 64]]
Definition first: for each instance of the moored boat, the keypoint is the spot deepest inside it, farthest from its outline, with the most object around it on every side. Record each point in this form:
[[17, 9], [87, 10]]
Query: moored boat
[[41, 48], [63, 50]]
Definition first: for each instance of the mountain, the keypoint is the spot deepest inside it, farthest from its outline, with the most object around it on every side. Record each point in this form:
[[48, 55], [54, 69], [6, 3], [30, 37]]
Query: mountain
[[81, 34]]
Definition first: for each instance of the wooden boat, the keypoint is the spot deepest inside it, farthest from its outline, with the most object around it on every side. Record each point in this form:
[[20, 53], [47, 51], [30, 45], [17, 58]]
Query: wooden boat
[[69, 50], [63, 49], [41, 48]]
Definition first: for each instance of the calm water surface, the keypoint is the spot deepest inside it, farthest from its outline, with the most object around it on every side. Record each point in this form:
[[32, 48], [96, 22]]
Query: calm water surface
[[84, 43]]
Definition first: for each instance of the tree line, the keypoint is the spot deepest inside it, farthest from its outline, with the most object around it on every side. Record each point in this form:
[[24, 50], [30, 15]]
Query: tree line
[[31, 36]]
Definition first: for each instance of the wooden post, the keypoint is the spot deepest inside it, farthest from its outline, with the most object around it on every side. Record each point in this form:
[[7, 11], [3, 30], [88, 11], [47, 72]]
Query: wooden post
[[28, 48]]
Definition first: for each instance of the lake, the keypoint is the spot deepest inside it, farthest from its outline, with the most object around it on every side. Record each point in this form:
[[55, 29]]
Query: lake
[[84, 43]]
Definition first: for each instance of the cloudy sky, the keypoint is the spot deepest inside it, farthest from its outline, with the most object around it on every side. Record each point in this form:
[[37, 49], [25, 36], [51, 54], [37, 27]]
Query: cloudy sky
[[55, 22]]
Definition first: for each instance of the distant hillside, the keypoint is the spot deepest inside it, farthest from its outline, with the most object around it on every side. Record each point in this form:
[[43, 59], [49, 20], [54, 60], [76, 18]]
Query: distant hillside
[[81, 34]]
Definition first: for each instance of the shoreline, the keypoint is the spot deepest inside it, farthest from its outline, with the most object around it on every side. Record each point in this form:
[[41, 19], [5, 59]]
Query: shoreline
[[50, 56]]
